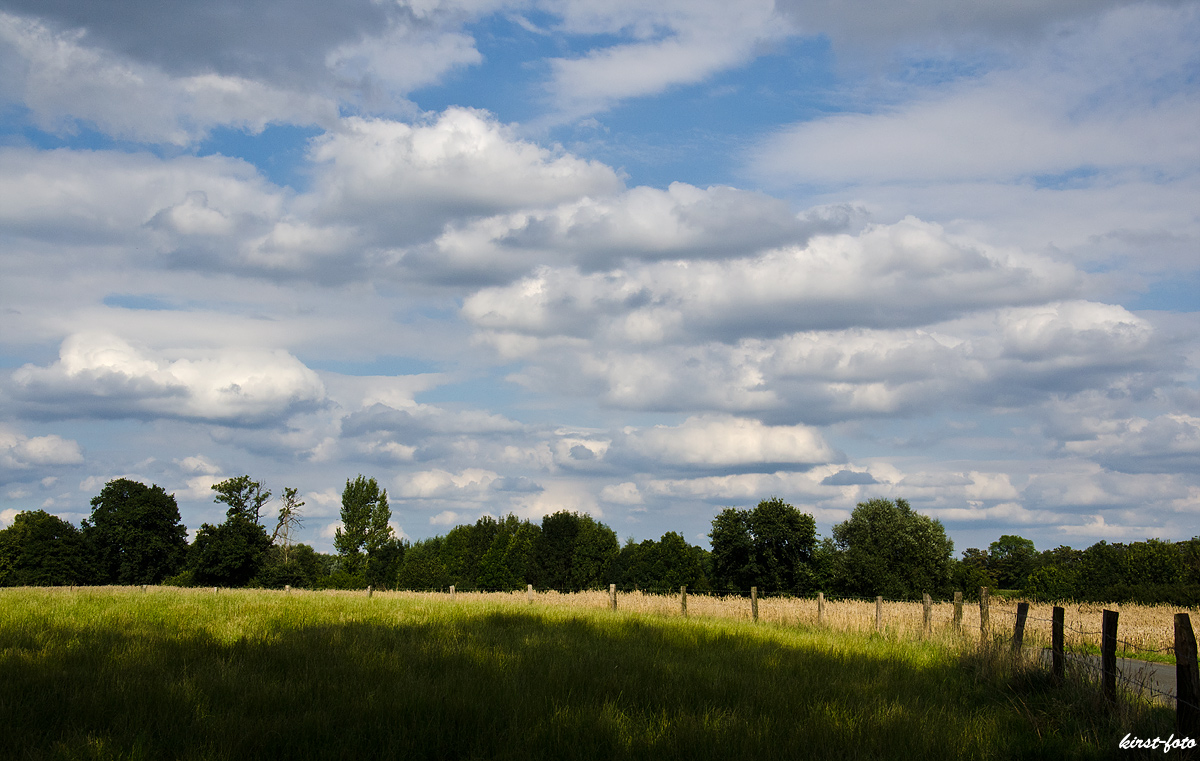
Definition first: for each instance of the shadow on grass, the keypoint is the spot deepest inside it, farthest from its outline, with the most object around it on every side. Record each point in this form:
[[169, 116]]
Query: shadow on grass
[[500, 685]]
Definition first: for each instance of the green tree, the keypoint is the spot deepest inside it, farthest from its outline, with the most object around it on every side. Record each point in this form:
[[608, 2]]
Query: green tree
[[229, 554], [1152, 562], [365, 535], [555, 548], [734, 568], [1051, 583], [134, 535], [886, 548], [422, 567], [40, 549], [771, 547], [1100, 571], [595, 552], [1012, 558], [244, 496]]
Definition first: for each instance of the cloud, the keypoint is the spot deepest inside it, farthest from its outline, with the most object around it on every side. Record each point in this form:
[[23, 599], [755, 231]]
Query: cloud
[[64, 83], [1165, 444], [601, 232], [716, 441], [849, 478], [21, 454], [621, 494], [100, 375], [910, 273], [673, 43], [470, 483], [1110, 95], [935, 23], [404, 182]]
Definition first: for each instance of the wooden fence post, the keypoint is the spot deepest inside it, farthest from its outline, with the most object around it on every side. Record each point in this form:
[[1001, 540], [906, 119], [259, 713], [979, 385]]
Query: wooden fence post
[[984, 624], [957, 622], [1058, 666], [612, 593], [820, 608], [878, 614], [926, 615], [754, 603], [451, 591], [1108, 653], [287, 589], [143, 587], [370, 591], [529, 594], [1019, 627], [1187, 679], [214, 590], [683, 601]]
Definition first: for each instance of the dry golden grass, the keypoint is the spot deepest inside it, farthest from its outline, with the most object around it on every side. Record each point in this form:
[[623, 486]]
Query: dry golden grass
[[1140, 627]]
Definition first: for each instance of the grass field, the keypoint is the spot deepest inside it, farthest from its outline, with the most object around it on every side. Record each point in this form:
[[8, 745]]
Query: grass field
[[189, 674]]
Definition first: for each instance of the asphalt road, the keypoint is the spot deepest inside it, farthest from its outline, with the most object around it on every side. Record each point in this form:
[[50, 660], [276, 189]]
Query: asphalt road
[[1158, 679]]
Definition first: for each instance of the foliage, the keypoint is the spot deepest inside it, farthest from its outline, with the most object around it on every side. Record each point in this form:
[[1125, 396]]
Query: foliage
[[40, 549], [365, 538], [771, 547], [422, 567], [662, 566], [134, 534], [1051, 584], [886, 548], [574, 551], [244, 496], [229, 554], [1011, 559], [297, 566]]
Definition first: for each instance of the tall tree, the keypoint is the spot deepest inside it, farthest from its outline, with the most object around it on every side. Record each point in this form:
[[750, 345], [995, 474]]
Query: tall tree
[[732, 551], [771, 547], [134, 534], [244, 496], [365, 532], [40, 549], [1011, 559], [886, 548], [232, 553]]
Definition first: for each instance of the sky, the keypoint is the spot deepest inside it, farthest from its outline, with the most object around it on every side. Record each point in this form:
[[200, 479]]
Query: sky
[[640, 260]]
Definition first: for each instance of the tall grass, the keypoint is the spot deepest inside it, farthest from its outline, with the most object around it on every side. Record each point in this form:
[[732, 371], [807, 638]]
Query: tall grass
[[108, 674]]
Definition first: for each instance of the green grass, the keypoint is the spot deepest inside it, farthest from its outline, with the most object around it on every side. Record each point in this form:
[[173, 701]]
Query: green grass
[[104, 674]]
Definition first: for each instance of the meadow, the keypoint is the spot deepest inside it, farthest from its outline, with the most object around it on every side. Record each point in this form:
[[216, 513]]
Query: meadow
[[116, 673]]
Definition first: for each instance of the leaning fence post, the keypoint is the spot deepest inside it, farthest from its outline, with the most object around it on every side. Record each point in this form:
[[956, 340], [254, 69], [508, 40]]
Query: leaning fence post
[[1187, 679], [926, 614], [754, 603], [878, 614], [683, 601], [529, 593], [821, 608], [1058, 662], [983, 614], [612, 593], [1019, 627], [1108, 653]]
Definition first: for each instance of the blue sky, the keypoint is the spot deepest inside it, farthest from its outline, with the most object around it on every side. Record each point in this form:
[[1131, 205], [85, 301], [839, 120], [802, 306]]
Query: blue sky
[[643, 262]]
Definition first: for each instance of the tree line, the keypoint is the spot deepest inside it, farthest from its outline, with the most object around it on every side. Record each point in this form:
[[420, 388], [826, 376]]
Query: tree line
[[134, 535]]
